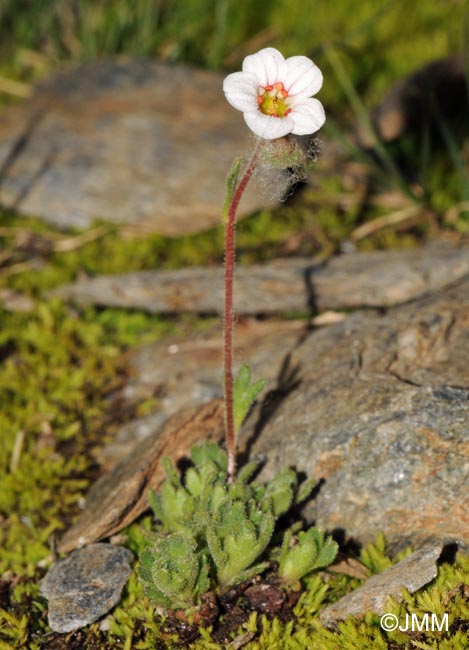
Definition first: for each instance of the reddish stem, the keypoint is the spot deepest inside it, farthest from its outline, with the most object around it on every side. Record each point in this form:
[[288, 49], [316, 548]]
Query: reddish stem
[[228, 313]]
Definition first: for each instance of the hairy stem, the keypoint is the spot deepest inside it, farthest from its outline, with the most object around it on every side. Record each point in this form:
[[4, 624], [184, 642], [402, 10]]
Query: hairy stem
[[228, 316]]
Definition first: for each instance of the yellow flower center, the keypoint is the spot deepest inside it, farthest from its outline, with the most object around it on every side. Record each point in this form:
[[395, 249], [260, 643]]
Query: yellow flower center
[[272, 100]]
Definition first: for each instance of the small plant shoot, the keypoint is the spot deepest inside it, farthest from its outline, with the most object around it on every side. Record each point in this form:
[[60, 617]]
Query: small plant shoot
[[215, 533]]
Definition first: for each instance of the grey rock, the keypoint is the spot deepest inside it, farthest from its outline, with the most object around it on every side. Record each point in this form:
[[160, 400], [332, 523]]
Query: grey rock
[[85, 586], [127, 438], [374, 279], [413, 572], [382, 416], [187, 372], [126, 141]]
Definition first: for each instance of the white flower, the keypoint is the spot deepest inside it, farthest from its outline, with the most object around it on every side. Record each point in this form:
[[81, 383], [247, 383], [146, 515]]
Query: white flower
[[274, 94]]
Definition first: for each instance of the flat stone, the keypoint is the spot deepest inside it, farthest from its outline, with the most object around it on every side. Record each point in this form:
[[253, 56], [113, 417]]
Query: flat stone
[[125, 141], [412, 573], [186, 372], [120, 496], [381, 414], [85, 586], [127, 438], [373, 279]]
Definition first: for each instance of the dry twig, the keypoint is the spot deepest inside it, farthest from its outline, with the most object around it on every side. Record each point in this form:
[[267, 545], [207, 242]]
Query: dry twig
[[385, 221]]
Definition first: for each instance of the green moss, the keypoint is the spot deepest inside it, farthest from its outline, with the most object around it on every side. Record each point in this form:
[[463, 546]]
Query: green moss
[[134, 624], [51, 384]]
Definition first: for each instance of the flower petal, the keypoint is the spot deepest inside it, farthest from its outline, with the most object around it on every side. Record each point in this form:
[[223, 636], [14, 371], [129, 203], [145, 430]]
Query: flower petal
[[303, 77], [307, 116], [240, 89], [267, 126], [267, 65]]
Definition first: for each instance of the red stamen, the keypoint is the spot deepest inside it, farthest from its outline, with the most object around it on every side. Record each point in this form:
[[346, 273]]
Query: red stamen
[[284, 93], [287, 111], [278, 86], [268, 88], [259, 99]]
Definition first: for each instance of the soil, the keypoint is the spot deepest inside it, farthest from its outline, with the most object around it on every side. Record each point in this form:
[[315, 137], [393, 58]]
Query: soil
[[227, 613]]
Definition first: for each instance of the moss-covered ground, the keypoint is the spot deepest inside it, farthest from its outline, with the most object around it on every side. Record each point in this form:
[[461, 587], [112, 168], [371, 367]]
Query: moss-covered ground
[[61, 367]]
